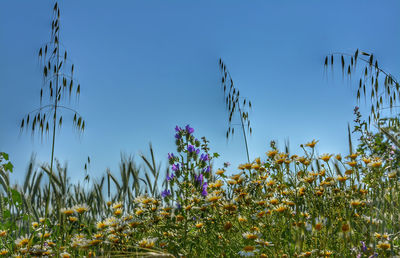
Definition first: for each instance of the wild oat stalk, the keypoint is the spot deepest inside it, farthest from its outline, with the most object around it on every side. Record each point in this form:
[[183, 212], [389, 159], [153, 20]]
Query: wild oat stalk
[[232, 97], [380, 94], [57, 81], [384, 89]]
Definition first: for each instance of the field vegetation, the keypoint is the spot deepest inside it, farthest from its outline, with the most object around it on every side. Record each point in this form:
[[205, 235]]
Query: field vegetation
[[279, 204]]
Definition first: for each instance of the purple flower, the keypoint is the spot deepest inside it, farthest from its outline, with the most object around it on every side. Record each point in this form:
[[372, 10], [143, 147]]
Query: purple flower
[[169, 177], [171, 156], [165, 193], [197, 151], [364, 247], [178, 129], [204, 192], [178, 206], [177, 136], [175, 167], [199, 178], [207, 169], [191, 148], [204, 157], [356, 109], [189, 129]]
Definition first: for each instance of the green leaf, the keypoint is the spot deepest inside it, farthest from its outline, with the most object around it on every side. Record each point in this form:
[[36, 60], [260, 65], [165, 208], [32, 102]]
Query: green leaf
[[215, 155], [5, 155], [8, 167], [16, 196], [6, 214]]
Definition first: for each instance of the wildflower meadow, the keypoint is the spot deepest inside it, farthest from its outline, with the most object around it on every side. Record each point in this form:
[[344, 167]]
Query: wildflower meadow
[[276, 204]]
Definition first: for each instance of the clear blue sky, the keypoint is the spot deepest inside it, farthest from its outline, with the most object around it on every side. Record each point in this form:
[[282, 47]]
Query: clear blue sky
[[146, 66]]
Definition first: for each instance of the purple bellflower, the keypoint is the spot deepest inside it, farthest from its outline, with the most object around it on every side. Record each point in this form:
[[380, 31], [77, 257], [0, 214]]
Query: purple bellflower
[[199, 178], [204, 157], [204, 192], [191, 148], [170, 177], [189, 129], [165, 193], [175, 167]]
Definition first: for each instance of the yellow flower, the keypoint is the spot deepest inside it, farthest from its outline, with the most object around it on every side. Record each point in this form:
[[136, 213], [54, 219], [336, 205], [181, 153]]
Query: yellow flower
[[118, 212], [325, 157], [147, 243], [199, 225], [230, 207], [117, 205], [35, 225], [3, 233], [242, 219], [244, 166], [72, 219], [338, 157], [271, 153], [312, 144], [46, 234], [353, 156], [22, 241], [249, 248], [326, 253], [179, 217], [366, 160], [139, 211], [248, 251], [67, 211], [220, 172], [281, 208], [376, 164], [392, 175], [383, 245], [349, 172], [3, 251], [318, 226], [274, 201], [363, 191], [95, 242], [345, 227], [213, 197], [81, 208], [65, 255], [302, 191], [309, 179], [352, 163], [355, 203], [342, 178], [249, 235]]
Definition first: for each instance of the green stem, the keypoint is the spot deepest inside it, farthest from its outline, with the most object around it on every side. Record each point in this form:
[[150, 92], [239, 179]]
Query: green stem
[[244, 133]]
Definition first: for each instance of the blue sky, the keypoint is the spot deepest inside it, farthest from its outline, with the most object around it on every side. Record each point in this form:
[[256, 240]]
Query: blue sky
[[146, 66]]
